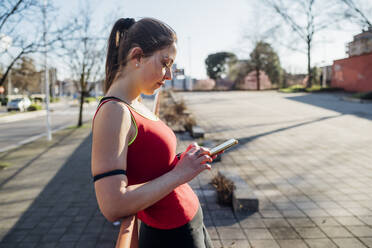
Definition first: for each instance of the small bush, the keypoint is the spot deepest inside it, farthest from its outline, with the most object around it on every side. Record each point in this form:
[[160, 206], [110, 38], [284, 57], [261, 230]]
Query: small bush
[[34, 107], [4, 165], [363, 95], [54, 99], [224, 189], [312, 89], [89, 99], [293, 89], [4, 101]]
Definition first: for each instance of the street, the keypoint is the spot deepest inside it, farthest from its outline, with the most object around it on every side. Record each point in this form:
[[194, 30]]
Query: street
[[62, 115]]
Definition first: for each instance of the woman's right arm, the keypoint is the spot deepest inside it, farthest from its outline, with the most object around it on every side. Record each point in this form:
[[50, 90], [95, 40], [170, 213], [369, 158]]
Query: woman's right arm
[[115, 198]]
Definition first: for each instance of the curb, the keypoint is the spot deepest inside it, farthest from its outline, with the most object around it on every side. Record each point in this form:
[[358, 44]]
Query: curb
[[356, 100], [31, 139], [22, 116]]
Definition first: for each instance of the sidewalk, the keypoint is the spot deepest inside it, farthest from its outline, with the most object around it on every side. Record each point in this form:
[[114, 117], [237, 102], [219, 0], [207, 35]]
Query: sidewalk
[[47, 197], [308, 159]]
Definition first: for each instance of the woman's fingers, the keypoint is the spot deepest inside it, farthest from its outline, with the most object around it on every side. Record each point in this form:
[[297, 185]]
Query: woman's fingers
[[205, 150], [203, 159], [193, 144]]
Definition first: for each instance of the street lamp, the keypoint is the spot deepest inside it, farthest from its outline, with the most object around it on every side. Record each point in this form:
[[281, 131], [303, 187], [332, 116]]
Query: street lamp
[[49, 133]]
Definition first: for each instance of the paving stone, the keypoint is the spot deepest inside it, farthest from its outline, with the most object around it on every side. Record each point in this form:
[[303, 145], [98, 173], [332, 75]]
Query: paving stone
[[348, 242], [70, 237], [320, 243], [230, 233], [212, 231], [252, 223], [236, 243], [361, 231], [222, 214], [284, 233], [258, 234], [275, 222], [367, 241], [293, 243], [301, 222], [310, 232], [336, 231], [292, 213], [325, 221], [367, 220], [216, 243], [264, 244], [27, 245], [349, 221]]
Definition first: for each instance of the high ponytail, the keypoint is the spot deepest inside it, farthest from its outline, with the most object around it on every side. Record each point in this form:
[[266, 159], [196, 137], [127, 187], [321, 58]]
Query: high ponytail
[[112, 59], [149, 34]]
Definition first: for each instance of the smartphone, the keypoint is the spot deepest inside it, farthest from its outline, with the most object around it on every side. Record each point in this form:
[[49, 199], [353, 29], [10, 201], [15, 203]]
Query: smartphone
[[227, 144]]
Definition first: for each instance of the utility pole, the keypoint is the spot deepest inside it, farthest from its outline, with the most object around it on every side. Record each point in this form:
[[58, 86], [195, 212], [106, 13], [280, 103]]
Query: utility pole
[[46, 74], [190, 79]]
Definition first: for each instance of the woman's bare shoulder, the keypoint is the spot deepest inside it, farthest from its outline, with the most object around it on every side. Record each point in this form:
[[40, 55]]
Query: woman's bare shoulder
[[111, 134]]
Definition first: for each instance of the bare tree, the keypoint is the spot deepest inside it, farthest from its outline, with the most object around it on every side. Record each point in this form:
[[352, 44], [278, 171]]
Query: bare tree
[[306, 18], [354, 11], [21, 22], [85, 55]]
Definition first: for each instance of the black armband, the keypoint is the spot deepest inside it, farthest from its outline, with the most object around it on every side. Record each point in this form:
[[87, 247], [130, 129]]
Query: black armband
[[110, 173]]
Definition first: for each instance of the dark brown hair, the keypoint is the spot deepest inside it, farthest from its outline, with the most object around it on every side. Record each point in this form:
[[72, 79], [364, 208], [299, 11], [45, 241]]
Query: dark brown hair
[[149, 34]]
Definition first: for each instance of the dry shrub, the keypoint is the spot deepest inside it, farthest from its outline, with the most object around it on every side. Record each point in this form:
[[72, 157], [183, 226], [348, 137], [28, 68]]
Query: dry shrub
[[224, 188], [174, 113], [189, 122], [179, 107]]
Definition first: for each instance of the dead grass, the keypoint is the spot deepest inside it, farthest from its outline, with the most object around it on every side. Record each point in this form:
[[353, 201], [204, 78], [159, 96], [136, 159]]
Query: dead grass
[[224, 188], [175, 113]]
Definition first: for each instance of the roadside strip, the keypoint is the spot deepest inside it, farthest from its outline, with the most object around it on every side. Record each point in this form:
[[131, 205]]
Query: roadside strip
[[28, 140]]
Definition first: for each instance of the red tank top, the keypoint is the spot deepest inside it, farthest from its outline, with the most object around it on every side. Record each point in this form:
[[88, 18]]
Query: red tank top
[[150, 155]]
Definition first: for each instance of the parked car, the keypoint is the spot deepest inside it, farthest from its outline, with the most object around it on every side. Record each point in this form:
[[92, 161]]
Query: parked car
[[20, 104]]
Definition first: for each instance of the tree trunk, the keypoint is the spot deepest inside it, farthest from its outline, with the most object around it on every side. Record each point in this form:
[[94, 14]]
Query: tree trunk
[[258, 77], [82, 96], [309, 74]]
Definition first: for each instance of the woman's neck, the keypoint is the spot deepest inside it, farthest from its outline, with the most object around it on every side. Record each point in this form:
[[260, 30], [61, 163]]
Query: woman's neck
[[124, 90]]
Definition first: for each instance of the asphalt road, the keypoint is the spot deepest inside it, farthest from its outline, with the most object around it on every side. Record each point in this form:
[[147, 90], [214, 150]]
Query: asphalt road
[[62, 115]]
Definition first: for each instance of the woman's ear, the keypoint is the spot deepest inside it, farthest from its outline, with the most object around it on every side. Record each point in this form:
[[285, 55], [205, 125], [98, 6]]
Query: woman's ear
[[136, 54]]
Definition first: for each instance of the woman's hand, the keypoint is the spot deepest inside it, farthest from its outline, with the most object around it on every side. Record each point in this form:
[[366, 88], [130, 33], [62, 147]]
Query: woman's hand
[[193, 161]]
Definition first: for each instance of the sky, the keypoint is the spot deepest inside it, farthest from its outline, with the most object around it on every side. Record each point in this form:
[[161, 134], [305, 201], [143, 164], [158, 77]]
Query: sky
[[209, 26]]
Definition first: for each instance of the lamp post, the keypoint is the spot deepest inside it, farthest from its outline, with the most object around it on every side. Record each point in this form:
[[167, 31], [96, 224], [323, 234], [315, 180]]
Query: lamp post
[[49, 133]]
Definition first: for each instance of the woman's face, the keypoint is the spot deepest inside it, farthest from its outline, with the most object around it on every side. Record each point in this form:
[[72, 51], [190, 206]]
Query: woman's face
[[157, 68]]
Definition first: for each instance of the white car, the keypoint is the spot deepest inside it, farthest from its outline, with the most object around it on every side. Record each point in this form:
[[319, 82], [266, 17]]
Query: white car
[[20, 104]]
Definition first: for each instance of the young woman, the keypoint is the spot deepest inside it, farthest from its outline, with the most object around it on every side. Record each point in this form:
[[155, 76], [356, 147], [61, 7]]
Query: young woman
[[134, 161]]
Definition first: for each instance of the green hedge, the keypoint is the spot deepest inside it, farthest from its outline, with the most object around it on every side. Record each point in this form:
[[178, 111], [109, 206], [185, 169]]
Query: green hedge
[[89, 99], [300, 88], [34, 107], [363, 95], [3, 101]]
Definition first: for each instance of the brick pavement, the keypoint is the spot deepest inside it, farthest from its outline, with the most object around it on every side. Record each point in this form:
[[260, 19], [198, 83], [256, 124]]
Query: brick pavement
[[49, 201], [308, 159], [309, 166]]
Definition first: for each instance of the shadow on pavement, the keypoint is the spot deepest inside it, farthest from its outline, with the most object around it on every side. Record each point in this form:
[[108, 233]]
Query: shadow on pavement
[[65, 214], [331, 102], [32, 160], [243, 141]]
